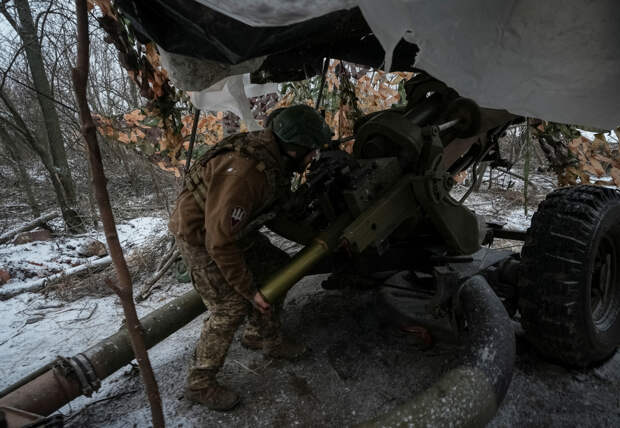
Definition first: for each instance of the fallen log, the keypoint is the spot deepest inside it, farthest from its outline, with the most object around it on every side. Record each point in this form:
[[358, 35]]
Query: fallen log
[[7, 236], [7, 291]]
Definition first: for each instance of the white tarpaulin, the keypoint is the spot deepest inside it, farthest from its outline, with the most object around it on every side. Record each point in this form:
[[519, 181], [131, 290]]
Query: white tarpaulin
[[231, 94], [552, 59], [231, 90]]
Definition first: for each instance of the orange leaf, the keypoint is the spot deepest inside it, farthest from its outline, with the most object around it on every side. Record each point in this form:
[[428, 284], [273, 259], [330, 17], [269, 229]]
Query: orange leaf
[[152, 55], [615, 174], [460, 177], [603, 159], [598, 168], [134, 116], [123, 138]]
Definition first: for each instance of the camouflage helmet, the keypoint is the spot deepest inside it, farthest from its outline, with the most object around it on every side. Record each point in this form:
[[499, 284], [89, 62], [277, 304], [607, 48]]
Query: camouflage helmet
[[300, 125]]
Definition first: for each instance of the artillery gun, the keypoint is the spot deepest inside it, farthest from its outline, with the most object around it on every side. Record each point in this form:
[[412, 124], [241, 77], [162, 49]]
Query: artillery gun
[[387, 207]]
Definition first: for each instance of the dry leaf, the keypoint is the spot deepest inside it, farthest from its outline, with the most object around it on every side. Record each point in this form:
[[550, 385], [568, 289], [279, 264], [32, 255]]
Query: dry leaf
[[598, 168], [460, 177], [152, 55], [123, 138], [134, 116], [615, 175]]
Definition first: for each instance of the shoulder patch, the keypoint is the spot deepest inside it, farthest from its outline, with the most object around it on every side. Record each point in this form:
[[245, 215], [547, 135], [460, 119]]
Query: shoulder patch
[[236, 217]]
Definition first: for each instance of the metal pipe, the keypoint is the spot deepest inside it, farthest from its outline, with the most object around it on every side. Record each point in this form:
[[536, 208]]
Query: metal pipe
[[469, 395], [33, 375], [422, 113], [45, 394], [53, 389], [192, 140], [322, 85], [447, 125], [305, 260], [511, 234]]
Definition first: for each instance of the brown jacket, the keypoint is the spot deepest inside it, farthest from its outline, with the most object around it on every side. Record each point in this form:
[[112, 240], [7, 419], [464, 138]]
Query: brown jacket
[[236, 190]]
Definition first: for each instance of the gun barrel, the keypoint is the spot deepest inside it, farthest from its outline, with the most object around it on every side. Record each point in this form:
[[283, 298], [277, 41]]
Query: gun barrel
[[52, 387], [305, 260]]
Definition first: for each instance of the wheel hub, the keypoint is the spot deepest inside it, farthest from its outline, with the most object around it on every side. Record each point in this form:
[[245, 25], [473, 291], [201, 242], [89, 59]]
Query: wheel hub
[[603, 292]]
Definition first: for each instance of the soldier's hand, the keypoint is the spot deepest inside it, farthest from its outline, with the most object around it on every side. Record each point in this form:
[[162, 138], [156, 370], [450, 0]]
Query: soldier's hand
[[261, 304]]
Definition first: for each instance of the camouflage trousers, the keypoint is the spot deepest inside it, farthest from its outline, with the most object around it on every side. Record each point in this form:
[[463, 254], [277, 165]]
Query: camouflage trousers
[[227, 308]]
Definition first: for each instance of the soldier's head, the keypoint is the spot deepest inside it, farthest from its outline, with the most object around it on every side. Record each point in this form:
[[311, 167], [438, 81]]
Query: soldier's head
[[300, 131]]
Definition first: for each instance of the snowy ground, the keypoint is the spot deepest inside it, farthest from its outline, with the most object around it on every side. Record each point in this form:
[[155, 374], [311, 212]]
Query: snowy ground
[[33, 330], [359, 367], [34, 260]]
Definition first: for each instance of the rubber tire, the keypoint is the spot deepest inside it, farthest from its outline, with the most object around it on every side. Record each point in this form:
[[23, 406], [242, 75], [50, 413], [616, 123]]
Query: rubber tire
[[556, 275]]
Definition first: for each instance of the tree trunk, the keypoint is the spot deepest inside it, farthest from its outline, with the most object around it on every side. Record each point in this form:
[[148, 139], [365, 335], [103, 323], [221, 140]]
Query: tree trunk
[[70, 216], [20, 171], [28, 34], [124, 289]]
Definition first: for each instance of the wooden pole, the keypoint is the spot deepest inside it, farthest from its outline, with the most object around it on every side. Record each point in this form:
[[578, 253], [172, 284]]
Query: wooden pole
[[124, 288]]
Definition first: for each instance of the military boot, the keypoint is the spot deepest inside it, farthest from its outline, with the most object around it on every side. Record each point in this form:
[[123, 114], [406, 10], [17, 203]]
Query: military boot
[[215, 397]]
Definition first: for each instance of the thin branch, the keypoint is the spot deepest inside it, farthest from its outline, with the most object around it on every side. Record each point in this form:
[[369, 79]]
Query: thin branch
[[21, 127], [5, 73], [45, 15], [60, 103], [4, 11]]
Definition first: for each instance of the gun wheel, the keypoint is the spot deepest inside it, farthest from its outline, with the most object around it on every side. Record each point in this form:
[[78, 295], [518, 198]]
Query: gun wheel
[[570, 284]]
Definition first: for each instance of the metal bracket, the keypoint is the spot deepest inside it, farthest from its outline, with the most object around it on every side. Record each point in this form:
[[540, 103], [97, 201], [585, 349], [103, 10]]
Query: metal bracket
[[446, 282], [80, 367]]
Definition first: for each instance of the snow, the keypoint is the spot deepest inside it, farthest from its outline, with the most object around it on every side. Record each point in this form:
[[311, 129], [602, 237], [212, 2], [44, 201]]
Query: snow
[[40, 259], [34, 330]]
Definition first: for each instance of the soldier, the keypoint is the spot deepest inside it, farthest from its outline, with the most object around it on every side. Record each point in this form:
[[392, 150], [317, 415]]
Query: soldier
[[215, 222]]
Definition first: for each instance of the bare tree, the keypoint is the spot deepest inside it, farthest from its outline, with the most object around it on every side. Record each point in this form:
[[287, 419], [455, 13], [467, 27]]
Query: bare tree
[[20, 133], [28, 34]]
